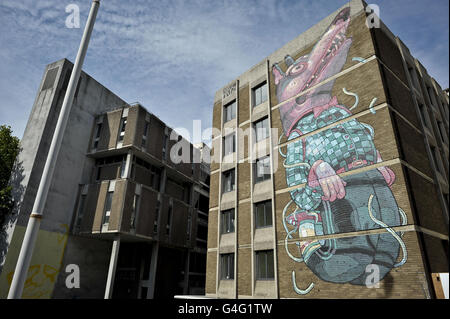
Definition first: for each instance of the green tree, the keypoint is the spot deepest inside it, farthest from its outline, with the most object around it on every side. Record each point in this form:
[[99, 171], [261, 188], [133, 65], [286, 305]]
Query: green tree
[[9, 149]]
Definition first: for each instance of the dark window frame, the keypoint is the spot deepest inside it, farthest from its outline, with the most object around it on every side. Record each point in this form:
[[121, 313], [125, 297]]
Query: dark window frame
[[81, 209], [227, 266], [259, 94], [264, 259], [259, 135], [265, 176], [423, 114], [441, 129], [434, 156], [227, 221], [267, 220], [165, 146], [226, 142], [145, 134], [97, 134], [157, 213], [229, 111], [230, 174], [122, 128], [135, 210], [108, 207], [169, 220]]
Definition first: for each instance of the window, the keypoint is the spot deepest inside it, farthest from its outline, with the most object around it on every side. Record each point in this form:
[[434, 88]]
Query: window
[[262, 129], [110, 160], [227, 266], [412, 74], [228, 181], [431, 96], [227, 221], [203, 204], [169, 221], [123, 167], [156, 177], [135, 210], [263, 214], [80, 210], [187, 193], [188, 229], [441, 130], [144, 135], [434, 155], [111, 165], [155, 223], [230, 144], [423, 115], [179, 190], [229, 112], [445, 108], [133, 171], [99, 173], [108, 205], [259, 94], [98, 130], [262, 169], [202, 233], [123, 125], [264, 265], [202, 217], [165, 146]]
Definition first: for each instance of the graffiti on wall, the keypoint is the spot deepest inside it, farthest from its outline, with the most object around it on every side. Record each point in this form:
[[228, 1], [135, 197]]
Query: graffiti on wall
[[44, 269], [322, 201]]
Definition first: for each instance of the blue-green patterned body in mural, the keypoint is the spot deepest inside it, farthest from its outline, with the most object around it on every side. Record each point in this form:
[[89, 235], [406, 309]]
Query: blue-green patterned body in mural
[[340, 146], [346, 146]]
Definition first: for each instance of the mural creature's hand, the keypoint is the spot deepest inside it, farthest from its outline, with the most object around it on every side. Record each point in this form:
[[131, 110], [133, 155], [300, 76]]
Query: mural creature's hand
[[323, 175], [387, 173]]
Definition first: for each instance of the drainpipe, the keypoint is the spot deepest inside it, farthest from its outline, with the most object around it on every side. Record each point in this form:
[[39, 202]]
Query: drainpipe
[[29, 240]]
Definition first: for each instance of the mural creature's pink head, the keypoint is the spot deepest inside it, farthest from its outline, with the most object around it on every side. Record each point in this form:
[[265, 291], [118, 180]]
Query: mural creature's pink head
[[326, 59]]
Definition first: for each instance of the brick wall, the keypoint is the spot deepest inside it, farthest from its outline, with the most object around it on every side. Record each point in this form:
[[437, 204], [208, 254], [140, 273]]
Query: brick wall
[[385, 105]]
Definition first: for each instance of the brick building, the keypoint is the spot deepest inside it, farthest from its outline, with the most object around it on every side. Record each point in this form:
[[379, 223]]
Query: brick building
[[329, 171], [119, 208]]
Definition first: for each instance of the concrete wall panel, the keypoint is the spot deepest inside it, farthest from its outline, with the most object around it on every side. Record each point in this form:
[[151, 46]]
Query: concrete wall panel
[[117, 206], [113, 124], [100, 209], [147, 212]]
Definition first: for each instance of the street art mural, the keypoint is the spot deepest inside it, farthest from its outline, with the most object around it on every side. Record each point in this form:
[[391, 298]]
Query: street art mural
[[325, 203]]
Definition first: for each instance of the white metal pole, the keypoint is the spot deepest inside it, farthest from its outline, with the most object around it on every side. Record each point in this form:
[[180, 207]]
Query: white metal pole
[[153, 268], [112, 268], [26, 251]]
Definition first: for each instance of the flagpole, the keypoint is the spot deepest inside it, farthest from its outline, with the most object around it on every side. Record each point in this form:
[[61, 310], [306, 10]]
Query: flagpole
[[29, 240]]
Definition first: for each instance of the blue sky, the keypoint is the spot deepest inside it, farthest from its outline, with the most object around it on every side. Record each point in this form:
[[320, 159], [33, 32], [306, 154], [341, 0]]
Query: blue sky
[[173, 55]]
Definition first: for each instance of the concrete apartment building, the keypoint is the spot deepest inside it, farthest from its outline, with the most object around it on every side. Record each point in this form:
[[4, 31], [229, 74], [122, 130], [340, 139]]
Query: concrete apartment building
[[329, 172], [119, 207]]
